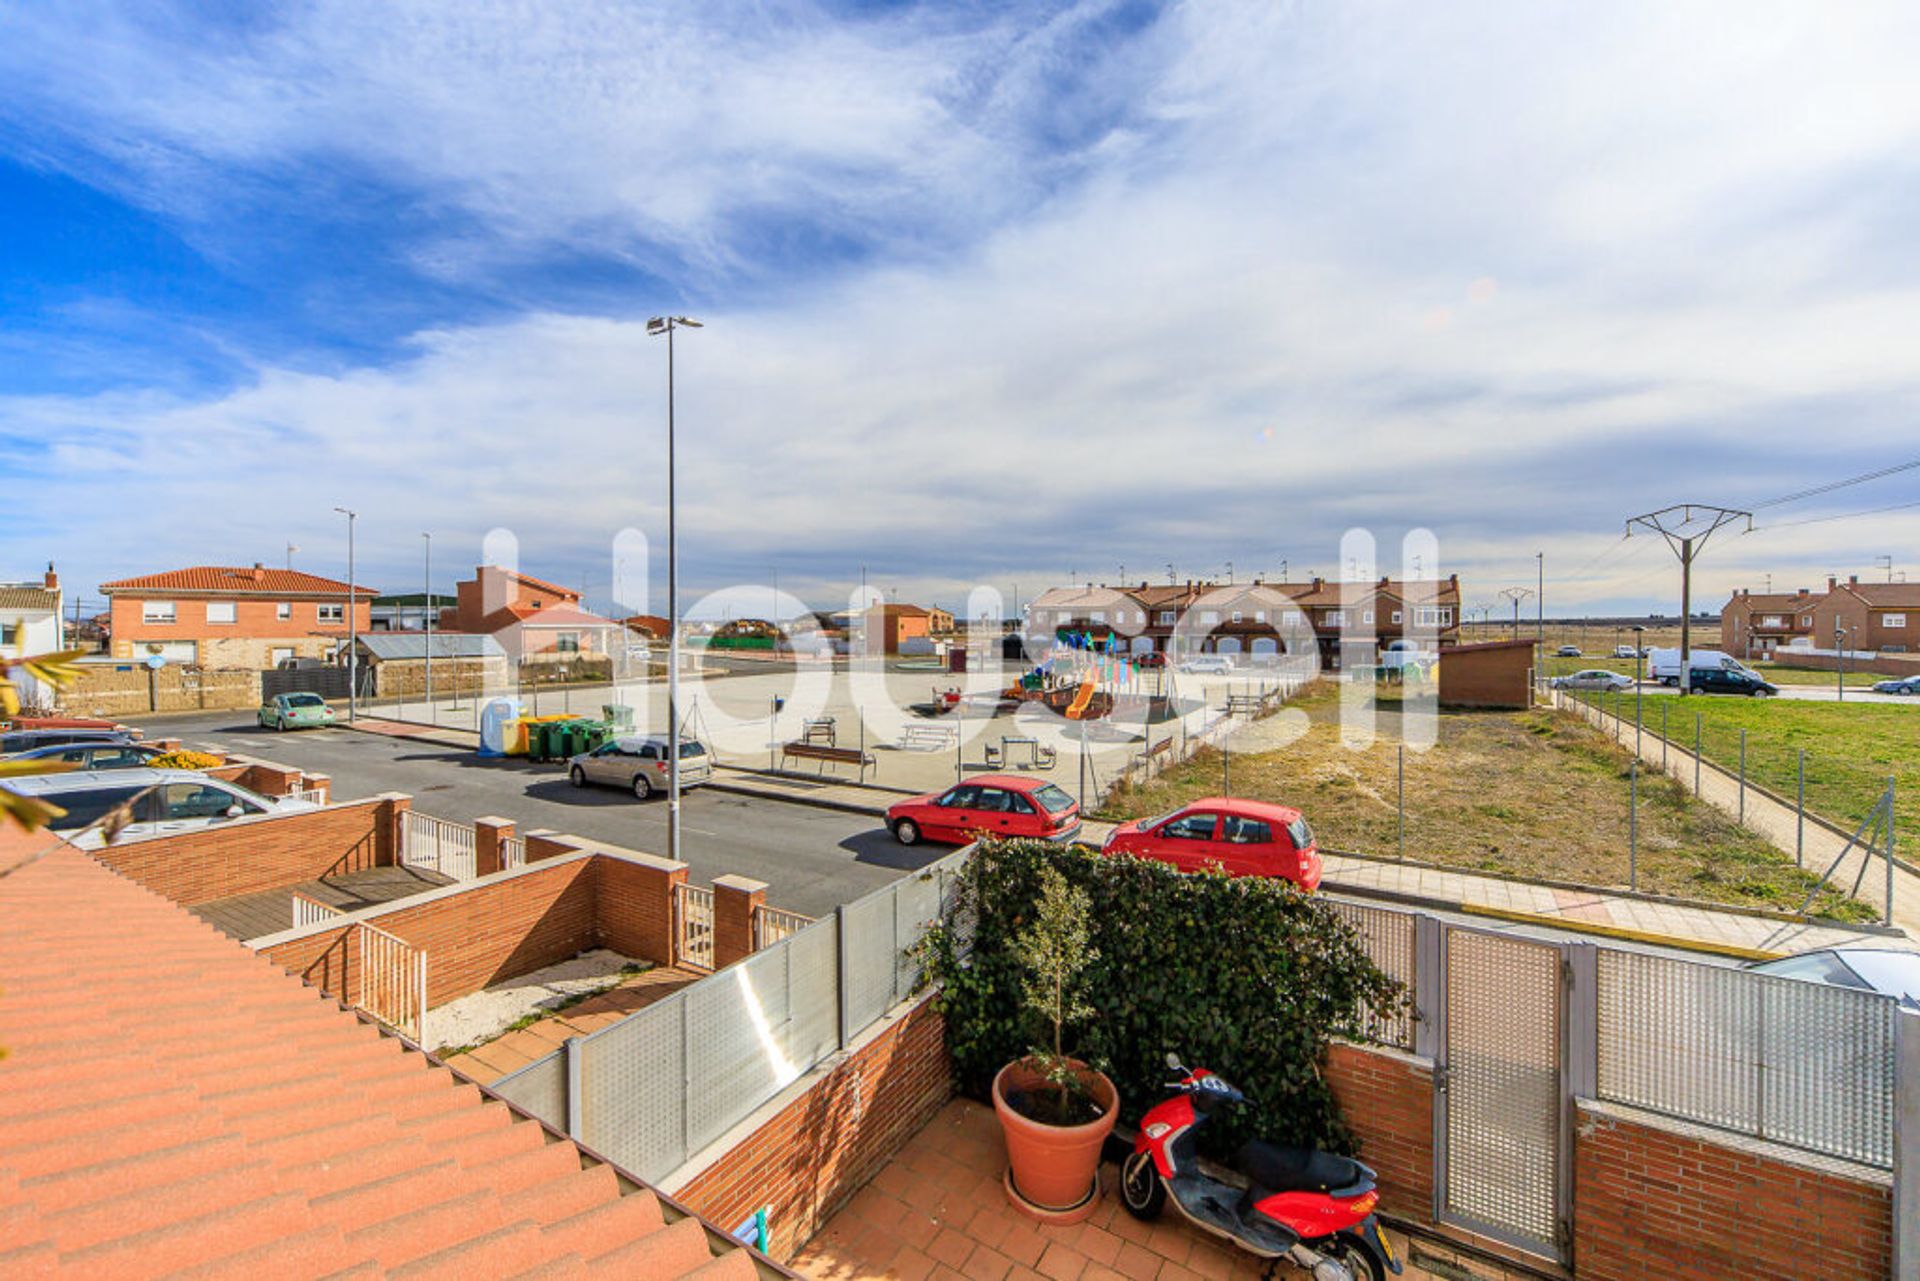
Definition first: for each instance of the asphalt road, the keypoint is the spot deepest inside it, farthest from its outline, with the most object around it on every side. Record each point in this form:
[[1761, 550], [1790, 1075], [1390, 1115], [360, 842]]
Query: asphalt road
[[1794, 693], [812, 859]]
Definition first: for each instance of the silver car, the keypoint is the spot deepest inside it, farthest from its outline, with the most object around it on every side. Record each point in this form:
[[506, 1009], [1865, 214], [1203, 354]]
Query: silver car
[[640, 764], [1595, 679]]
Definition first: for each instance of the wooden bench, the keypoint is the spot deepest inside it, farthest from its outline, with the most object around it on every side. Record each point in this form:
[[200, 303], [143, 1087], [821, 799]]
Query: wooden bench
[[827, 755], [1160, 748], [928, 738]]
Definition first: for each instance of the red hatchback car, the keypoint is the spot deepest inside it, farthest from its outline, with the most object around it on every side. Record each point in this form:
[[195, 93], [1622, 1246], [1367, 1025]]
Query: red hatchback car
[[1246, 838], [1006, 805]]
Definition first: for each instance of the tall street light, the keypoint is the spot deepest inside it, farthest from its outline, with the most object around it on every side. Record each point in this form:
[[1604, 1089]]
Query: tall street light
[[1639, 651], [426, 610], [655, 327], [353, 618]]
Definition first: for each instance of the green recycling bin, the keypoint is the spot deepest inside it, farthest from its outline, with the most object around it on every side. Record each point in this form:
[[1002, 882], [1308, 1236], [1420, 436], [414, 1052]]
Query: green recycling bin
[[540, 740]]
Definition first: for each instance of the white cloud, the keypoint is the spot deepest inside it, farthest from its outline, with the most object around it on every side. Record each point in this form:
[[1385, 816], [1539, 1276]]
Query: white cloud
[[1283, 231]]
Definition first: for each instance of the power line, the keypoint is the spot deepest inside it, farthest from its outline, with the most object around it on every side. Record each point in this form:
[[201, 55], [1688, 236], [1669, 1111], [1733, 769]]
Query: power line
[[1828, 488], [1821, 520]]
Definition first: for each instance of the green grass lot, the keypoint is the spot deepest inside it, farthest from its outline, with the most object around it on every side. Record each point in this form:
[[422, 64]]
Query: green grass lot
[[1808, 676], [1535, 793], [1852, 750]]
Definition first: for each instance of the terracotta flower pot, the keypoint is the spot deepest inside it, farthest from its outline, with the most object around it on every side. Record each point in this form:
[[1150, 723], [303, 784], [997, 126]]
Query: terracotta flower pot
[[1054, 1168]]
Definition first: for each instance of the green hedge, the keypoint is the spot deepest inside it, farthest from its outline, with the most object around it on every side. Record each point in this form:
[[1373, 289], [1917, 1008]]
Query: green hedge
[[1246, 976]]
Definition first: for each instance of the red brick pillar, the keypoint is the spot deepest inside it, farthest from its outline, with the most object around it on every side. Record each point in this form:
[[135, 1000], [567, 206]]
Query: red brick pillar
[[488, 835], [734, 901], [390, 816]]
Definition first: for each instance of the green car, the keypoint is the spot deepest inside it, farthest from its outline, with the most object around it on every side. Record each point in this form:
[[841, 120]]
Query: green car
[[295, 711]]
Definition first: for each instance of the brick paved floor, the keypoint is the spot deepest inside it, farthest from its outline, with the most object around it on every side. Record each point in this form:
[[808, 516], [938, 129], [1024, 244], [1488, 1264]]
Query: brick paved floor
[[513, 1051], [937, 1211]]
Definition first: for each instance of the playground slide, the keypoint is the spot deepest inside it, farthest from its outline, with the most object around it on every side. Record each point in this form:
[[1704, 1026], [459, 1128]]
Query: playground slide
[[1078, 707]]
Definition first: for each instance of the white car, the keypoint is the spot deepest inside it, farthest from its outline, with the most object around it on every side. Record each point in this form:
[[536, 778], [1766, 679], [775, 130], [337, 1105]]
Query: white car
[[1207, 665], [1594, 678], [1624, 651], [165, 802]]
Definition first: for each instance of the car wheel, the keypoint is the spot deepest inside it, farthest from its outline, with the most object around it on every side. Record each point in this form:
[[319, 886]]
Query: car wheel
[[280, 725], [642, 787], [907, 832], [577, 776], [1760, 693]]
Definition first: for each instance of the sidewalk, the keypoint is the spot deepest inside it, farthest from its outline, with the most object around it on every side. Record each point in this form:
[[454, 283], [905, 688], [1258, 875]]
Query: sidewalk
[[1770, 818]]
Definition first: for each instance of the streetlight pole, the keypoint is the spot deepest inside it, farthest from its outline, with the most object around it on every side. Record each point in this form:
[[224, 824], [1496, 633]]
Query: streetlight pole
[[353, 619], [657, 326], [1638, 720], [426, 609], [1839, 663]]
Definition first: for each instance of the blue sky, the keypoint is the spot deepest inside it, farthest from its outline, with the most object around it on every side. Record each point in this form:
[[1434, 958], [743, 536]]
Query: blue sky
[[995, 292]]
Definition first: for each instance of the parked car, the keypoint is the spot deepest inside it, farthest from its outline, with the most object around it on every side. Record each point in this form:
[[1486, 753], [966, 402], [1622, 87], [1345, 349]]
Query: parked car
[[1730, 680], [1625, 651], [1150, 658], [1663, 665], [1207, 665], [26, 740], [1593, 678], [1245, 838], [70, 757], [295, 711], [1902, 685], [641, 764], [1888, 971], [1568, 651], [168, 800], [1006, 805]]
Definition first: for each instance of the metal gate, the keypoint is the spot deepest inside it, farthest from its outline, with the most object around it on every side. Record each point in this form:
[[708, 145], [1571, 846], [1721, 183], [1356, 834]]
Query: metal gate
[[1501, 1109], [437, 844], [393, 980], [696, 925], [326, 680]]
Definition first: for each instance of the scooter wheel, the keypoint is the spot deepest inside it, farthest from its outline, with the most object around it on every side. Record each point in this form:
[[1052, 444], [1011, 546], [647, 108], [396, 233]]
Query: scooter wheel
[[1140, 1188], [1359, 1260]]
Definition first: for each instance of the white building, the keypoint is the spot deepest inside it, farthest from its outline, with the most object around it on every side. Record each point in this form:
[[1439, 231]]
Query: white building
[[30, 624]]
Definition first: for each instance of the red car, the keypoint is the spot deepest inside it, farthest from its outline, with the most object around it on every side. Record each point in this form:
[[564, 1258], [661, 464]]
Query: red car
[[1246, 838], [988, 805]]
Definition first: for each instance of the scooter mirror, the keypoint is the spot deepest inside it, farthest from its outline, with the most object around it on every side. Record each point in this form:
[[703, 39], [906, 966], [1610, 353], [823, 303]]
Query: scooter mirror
[[1173, 1061]]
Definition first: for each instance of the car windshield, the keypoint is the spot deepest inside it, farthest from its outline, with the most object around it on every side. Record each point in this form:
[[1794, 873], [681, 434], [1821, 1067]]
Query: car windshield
[[1894, 973], [1147, 823], [1300, 833], [305, 700], [691, 748], [1055, 800]]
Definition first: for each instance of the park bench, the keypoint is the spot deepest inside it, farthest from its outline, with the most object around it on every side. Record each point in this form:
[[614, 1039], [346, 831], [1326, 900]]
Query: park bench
[[818, 732], [827, 755], [928, 738]]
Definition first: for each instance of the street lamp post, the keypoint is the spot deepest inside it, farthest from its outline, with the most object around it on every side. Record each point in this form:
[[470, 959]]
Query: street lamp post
[[353, 619], [655, 327], [1639, 651], [1839, 663], [426, 609]]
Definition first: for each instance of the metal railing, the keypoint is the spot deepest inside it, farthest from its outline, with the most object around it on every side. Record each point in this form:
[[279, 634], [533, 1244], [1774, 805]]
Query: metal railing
[[1804, 1064], [695, 912], [318, 795], [311, 911], [437, 844], [393, 979], [513, 852], [771, 924]]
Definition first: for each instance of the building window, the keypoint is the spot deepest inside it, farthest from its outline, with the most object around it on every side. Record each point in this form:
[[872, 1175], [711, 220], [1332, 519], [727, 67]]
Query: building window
[[1295, 618], [330, 613], [568, 643], [1167, 617], [9, 633], [283, 611], [1773, 620], [1433, 616], [1366, 617], [156, 611], [1334, 618], [222, 611], [1099, 615], [1259, 615], [1893, 620], [1396, 616], [280, 654], [1236, 616]]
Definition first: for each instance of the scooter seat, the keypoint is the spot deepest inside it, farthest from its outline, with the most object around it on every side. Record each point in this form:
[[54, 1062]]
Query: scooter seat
[[1284, 1169]]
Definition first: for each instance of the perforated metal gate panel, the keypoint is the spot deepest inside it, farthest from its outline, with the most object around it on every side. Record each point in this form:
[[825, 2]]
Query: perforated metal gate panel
[[539, 1088], [813, 991], [871, 946], [1503, 1097], [633, 1099]]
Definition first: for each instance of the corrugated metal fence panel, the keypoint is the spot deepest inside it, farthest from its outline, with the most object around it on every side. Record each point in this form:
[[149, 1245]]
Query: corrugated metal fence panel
[[1799, 1063], [1388, 937], [539, 1088], [633, 1084]]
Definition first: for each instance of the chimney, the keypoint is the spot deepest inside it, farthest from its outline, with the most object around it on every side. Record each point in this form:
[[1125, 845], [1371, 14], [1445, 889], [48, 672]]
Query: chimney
[[258, 572], [1833, 584], [1853, 579], [53, 579]]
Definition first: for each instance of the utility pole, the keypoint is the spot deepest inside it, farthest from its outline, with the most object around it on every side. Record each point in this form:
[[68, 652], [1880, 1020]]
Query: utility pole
[[1516, 595], [655, 327], [1540, 607], [353, 620], [1687, 527], [426, 616]]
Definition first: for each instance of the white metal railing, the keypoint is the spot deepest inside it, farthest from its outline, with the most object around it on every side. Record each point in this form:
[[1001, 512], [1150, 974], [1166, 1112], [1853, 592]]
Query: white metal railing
[[393, 980], [437, 844], [310, 911], [513, 852], [318, 795], [696, 925], [771, 924]]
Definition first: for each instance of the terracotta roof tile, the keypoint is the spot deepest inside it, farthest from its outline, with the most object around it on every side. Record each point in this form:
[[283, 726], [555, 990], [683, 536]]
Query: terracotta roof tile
[[29, 598], [208, 1114], [254, 579]]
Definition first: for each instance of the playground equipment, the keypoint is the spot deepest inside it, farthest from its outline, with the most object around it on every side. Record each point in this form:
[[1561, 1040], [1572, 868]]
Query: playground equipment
[[1078, 707]]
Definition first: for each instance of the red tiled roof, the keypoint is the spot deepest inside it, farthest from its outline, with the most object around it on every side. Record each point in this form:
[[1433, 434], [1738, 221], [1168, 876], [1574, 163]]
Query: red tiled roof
[[233, 578], [1887, 595], [179, 1105], [541, 584]]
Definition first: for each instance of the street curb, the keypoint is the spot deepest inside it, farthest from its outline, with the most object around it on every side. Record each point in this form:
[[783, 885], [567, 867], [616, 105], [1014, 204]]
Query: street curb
[[407, 738], [1624, 933]]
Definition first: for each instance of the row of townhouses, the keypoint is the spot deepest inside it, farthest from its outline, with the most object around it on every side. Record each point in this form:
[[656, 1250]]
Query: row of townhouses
[[1865, 616]]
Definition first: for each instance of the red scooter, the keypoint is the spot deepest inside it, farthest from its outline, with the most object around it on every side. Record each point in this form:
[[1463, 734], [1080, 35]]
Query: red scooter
[[1311, 1208]]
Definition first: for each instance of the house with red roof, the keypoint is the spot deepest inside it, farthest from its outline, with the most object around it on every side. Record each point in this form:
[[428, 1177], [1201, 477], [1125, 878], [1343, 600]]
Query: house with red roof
[[232, 616], [532, 619]]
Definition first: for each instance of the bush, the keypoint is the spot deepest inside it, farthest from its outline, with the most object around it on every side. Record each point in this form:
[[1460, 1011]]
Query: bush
[[1246, 976], [183, 759]]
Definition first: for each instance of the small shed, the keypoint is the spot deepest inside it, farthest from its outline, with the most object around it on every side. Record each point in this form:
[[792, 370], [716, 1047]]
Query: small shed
[[461, 662], [1492, 674]]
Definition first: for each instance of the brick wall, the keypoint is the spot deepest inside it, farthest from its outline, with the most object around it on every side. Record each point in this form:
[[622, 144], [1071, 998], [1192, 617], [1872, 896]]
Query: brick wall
[[634, 905], [326, 959], [809, 1159], [260, 854], [1387, 1100], [1671, 1200]]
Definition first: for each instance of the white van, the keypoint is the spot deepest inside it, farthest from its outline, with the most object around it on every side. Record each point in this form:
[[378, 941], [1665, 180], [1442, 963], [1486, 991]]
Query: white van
[[165, 801], [1663, 665]]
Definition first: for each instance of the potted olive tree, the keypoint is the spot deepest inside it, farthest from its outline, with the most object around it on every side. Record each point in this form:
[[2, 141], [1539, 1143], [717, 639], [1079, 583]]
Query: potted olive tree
[[1055, 1110]]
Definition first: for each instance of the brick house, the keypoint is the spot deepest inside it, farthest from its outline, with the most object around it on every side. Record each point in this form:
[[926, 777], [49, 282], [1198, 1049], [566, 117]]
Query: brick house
[[485, 603], [532, 619], [1754, 626], [1876, 616], [904, 629], [220, 616]]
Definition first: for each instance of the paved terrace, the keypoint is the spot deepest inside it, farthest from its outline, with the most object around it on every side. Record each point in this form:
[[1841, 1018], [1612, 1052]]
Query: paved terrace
[[252, 916]]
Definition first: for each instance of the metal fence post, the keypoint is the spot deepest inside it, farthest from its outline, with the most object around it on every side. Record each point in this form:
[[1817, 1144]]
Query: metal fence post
[[1633, 825], [575, 1062], [840, 973], [1429, 986], [1800, 814], [686, 1080], [1906, 1145], [1696, 755], [1743, 774], [1583, 1020], [1400, 773]]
